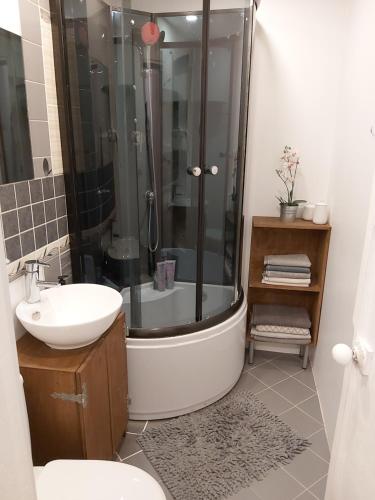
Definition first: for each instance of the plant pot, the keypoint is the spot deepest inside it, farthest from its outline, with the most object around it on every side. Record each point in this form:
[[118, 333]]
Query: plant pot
[[288, 213]]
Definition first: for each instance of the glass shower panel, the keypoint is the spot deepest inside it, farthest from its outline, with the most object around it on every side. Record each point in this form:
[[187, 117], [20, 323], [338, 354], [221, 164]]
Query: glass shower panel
[[227, 51], [157, 86]]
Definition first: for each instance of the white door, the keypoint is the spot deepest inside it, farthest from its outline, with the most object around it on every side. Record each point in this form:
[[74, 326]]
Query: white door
[[352, 469]]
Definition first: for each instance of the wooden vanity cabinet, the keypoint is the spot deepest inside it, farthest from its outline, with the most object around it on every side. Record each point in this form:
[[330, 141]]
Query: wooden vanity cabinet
[[76, 399]]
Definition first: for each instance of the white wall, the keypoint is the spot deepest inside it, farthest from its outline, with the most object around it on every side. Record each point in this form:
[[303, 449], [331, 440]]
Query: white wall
[[350, 190], [313, 87], [296, 60]]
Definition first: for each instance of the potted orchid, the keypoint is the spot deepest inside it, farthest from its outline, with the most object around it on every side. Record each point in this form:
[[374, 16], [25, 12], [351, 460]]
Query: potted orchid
[[287, 173]]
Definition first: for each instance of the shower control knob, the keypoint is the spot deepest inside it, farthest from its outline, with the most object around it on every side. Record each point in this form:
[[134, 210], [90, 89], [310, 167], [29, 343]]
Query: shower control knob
[[196, 171], [213, 170]]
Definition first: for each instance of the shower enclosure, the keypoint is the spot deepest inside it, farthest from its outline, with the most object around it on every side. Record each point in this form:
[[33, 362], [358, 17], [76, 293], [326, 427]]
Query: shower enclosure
[[155, 101]]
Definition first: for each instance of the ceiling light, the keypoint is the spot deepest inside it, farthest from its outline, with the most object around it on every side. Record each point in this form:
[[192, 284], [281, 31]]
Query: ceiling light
[[191, 18]]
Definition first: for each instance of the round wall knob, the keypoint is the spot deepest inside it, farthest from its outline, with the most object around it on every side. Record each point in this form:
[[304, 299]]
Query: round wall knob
[[213, 170], [342, 354], [196, 171]]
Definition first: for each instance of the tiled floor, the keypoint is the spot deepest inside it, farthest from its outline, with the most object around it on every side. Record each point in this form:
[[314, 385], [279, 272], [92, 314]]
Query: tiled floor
[[288, 391]]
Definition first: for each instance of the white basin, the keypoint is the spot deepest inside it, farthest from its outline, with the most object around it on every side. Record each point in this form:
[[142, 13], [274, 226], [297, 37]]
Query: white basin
[[70, 316]]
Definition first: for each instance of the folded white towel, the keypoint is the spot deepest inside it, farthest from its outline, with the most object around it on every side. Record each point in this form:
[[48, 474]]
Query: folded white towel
[[283, 274], [288, 281], [283, 329], [273, 335]]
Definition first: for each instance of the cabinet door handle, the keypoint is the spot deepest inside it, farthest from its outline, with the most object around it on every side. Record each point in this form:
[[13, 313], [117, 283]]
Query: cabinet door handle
[[213, 170], [195, 171], [81, 399]]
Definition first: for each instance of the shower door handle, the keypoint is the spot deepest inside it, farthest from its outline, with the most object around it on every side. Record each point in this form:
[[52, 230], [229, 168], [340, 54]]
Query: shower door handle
[[213, 170], [195, 171]]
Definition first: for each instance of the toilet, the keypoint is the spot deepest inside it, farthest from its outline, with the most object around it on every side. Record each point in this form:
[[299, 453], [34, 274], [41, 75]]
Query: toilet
[[95, 480]]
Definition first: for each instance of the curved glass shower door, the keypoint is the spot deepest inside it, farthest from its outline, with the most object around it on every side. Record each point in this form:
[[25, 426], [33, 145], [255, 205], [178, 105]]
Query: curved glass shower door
[[158, 105], [157, 64]]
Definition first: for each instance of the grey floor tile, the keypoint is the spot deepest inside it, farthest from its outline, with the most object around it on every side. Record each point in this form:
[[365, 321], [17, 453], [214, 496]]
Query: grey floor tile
[[293, 391], [306, 495], [319, 488], [274, 402], [278, 485], [306, 377], [307, 468], [129, 446], [300, 422], [290, 363], [136, 426], [250, 383], [141, 461], [319, 445], [268, 374], [312, 407], [266, 355]]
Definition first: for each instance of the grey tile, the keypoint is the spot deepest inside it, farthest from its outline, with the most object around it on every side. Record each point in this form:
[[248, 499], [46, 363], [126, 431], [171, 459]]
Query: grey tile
[[305, 496], [300, 422], [266, 355], [141, 461], [306, 377], [7, 197], [250, 383], [61, 206], [293, 391], [289, 363], [40, 236], [36, 191], [277, 485], [62, 225], [38, 214], [13, 248], [27, 242], [59, 185], [22, 193], [307, 468], [312, 407], [274, 402], [136, 426], [30, 22], [52, 231], [25, 218], [10, 224], [129, 446], [33, 62], [319, 488], [53, 271], [319, 445], [39, 166], [48, 189], [36, 101], [39, 135], [268, 374], [50, 208]]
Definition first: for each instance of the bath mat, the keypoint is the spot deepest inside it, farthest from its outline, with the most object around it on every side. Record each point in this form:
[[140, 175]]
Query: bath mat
[[215, 452]]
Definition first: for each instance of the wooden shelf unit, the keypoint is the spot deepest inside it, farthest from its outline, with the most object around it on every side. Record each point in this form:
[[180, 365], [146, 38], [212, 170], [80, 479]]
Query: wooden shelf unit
[[271, 236]]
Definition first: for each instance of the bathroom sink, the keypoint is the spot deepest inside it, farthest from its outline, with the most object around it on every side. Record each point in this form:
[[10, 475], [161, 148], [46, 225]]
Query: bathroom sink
[[70, 316]]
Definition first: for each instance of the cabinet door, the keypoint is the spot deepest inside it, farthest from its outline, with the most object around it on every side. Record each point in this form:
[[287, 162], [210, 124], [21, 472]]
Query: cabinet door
[[92, 380], [117, 381]]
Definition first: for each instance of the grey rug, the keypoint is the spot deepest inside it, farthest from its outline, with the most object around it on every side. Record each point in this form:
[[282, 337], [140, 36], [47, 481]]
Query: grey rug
[[215, 452]]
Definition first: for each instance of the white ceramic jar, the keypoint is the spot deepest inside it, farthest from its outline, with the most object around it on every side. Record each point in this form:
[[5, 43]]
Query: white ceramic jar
[[308, 211], [321, 213]]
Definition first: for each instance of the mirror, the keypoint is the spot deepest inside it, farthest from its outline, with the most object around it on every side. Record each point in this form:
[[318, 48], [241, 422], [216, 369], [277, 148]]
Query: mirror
[[16, 162]]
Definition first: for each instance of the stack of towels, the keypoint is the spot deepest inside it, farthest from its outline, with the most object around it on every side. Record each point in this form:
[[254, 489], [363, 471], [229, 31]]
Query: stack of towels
[[282, 323], [291, 270]]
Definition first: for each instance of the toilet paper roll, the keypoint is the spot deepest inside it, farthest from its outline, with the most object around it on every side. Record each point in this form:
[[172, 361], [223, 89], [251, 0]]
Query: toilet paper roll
[[308, 211]]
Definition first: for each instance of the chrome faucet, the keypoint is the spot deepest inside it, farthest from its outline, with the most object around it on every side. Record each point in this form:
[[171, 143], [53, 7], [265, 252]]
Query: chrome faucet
[[33, 284]]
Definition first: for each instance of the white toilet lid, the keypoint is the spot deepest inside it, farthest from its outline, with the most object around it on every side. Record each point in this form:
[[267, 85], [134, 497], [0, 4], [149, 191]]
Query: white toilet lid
[[95, 480]]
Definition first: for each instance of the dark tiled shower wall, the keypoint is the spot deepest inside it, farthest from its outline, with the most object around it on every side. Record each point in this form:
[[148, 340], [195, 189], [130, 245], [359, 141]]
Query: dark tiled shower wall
[[33, 214]]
